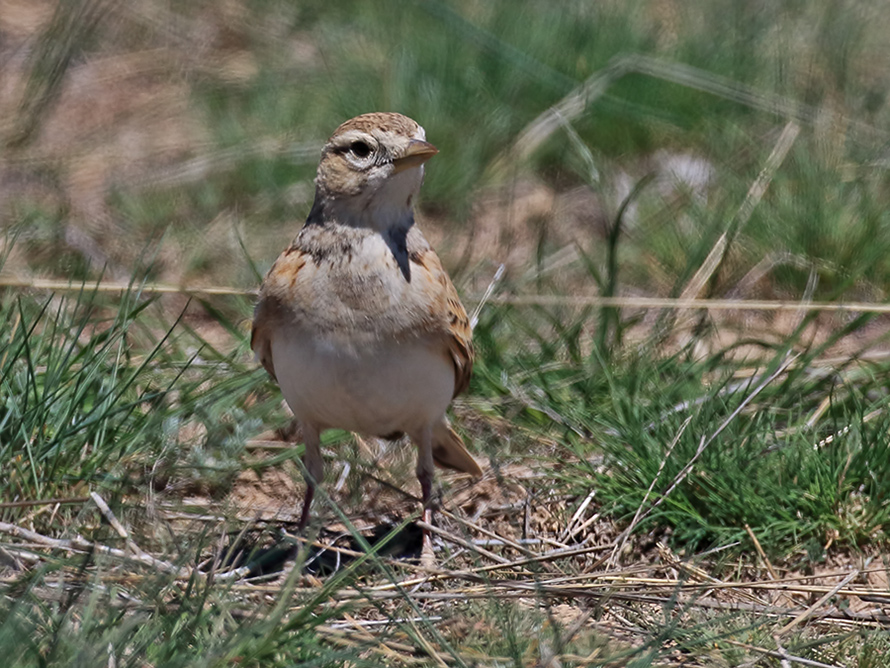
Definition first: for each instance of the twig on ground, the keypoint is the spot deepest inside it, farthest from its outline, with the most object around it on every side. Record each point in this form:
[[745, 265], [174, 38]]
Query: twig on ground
[[785, 661], [491, 534], [457, 540], [809, 611], [43, 502], [114, 522], [565, 535], [777, 655], [78, 544], [761, 553]]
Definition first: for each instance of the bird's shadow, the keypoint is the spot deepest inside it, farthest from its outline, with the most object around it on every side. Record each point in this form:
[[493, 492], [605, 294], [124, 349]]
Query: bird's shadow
[[267, 552]]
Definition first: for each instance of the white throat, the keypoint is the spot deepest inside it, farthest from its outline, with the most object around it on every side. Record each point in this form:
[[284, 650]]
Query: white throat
[[388, 205]]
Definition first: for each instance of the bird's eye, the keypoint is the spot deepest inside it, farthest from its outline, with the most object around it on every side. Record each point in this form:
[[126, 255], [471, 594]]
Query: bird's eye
[[360, 149]]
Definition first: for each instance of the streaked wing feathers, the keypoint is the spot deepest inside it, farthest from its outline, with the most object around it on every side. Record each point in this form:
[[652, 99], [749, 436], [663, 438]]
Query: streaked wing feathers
[[271, 309], [453, 316]]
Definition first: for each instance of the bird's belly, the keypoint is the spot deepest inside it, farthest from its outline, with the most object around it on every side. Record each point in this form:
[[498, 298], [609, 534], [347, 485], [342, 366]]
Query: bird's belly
[[376, 390]]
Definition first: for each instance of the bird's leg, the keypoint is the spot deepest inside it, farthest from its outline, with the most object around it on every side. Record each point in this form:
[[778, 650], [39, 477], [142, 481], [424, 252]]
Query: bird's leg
[[314, 465], [425, 473]]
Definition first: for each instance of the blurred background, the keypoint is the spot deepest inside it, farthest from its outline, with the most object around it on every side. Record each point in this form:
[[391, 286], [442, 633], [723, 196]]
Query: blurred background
[[735, 151], [189, 133]]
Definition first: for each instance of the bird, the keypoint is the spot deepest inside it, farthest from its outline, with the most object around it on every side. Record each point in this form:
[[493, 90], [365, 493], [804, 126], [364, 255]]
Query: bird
[[357, 320]]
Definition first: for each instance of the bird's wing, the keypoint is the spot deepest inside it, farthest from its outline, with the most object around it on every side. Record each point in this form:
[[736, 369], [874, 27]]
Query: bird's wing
[[270, 310], [460, 341], [452, 315]]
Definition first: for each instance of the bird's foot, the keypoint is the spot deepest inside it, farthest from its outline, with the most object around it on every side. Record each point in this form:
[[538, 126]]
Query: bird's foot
[[427, 556]]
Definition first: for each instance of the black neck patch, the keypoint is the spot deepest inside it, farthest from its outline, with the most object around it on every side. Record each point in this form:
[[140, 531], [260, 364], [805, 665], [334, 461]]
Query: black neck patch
[[397, 240], [316, 213]]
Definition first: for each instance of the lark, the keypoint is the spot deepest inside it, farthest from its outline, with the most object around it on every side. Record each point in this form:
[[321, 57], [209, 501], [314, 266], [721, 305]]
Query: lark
[[357, 320]]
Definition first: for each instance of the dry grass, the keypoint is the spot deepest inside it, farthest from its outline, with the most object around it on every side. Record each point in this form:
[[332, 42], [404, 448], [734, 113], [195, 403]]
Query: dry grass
[[511, 542]]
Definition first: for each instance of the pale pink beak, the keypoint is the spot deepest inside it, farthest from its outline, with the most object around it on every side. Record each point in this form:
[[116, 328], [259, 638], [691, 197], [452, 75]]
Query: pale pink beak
[[417, 153]]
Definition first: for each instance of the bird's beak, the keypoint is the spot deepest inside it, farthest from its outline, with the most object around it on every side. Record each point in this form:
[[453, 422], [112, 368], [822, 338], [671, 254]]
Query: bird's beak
[[417, 153]]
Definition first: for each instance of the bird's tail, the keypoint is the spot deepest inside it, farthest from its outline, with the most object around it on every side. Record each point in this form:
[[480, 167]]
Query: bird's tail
[[449, 451]]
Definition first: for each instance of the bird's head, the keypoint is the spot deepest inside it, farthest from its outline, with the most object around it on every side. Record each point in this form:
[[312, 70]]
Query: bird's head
[[371, 170]]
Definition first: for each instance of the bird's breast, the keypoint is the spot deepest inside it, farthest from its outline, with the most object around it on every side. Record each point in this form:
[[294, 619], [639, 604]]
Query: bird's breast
[[374, 389], [359, 292]]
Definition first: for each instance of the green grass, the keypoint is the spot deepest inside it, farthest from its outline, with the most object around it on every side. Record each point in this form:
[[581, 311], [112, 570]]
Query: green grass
[[698, 432]]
